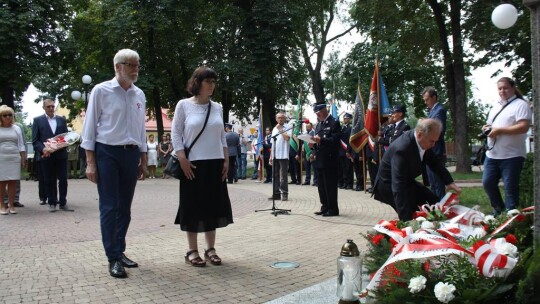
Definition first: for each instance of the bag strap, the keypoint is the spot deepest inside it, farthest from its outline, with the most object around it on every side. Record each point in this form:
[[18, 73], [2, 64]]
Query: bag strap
[[204, 126], [509, 102], [493, 120]]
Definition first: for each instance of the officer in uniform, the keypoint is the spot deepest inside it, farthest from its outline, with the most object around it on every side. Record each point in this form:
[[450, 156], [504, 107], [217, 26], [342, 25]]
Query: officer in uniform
[[345, 172], [327, 136]]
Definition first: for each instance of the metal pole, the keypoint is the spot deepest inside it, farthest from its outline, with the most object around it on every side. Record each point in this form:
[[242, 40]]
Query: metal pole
[[534, 6]]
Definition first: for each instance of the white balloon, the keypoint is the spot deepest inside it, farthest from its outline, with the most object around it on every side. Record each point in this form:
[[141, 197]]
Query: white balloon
[[504, 16]]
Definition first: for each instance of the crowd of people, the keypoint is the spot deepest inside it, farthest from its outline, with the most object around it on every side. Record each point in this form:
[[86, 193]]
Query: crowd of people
[[212, 155]]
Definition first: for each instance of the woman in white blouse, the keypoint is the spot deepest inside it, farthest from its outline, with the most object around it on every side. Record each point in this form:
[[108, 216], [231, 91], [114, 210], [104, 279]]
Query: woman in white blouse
[[204, 199]]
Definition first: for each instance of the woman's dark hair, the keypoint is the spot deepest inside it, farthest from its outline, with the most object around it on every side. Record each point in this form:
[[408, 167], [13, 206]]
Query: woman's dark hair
[[512, 83], [200, 74]]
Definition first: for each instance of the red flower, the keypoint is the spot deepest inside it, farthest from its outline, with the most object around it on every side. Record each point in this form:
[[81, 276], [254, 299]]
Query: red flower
[[376, 239], [520, 218], [426, 266], [511, 239], [486, 227]]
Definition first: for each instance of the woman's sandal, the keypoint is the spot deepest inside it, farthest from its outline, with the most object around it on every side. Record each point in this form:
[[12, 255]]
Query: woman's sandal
[[211, 256], [196, 261]]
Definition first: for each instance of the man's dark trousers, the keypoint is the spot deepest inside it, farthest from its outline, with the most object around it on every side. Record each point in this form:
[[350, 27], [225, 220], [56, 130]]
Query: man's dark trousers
[[55, 169], [117, 169], [328, 189]]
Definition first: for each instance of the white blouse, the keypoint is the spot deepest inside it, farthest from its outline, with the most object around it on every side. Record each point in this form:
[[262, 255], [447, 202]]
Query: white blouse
[[187, 123]]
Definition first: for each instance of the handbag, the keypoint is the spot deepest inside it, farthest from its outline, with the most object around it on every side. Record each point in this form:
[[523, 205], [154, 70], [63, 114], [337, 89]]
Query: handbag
[[173, 165]]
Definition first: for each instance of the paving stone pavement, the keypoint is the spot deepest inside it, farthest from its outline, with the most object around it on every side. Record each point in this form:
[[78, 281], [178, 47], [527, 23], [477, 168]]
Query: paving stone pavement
[[58, 257]]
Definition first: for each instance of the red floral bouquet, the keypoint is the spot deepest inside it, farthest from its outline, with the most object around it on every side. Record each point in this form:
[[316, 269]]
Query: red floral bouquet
[[61, 141]]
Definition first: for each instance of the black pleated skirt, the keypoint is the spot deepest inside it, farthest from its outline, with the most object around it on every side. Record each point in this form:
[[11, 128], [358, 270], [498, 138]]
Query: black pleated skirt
[[204, 201]]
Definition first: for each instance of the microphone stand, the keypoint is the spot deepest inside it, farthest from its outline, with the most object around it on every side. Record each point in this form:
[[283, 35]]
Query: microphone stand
[[274, 209]]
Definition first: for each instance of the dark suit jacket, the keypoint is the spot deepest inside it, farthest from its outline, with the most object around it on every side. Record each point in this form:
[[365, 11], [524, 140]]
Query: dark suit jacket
[[439, 112], [345, 135], [400, 166], [327, 150], [398, 130], [41, 131]]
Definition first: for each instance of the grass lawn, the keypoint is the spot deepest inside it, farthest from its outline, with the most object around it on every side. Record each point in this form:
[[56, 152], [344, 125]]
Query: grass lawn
[[472, 196], [466, 176]]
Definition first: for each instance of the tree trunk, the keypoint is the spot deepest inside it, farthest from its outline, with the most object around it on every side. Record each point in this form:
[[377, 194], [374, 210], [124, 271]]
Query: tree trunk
[[8, 97], [455, 79], [157, 110], [459, 113]]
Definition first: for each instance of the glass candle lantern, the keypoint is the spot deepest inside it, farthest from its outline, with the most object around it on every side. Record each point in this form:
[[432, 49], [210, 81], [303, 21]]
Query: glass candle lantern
[[349, 269]]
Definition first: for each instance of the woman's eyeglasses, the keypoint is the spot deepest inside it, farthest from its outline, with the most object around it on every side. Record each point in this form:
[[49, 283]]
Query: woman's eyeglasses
[[7, 115]]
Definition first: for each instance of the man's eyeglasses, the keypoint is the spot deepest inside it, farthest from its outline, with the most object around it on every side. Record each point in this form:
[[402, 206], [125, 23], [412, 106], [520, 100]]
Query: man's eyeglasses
[[49, 106], [7, 115], [131, 65]]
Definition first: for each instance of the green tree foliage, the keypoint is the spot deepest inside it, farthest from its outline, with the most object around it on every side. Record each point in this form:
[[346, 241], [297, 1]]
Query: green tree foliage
[[249, 44], [30, 32]]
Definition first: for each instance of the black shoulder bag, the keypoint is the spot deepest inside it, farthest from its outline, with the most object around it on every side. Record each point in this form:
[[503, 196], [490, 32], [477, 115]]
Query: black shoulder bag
[[173, 165]]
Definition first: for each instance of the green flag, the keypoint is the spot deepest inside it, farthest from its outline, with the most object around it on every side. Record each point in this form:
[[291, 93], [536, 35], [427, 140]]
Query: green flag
[[297, 127]]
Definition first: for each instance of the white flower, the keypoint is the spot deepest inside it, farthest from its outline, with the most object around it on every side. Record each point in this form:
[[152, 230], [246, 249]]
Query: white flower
[[417, 284], [427, 225], [479, 232], [489, 218], [420, 219], [444, 292], [513, 212], [507, 249]]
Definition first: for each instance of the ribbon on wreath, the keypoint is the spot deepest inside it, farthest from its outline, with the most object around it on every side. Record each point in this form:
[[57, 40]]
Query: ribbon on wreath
[[392, 231], [418, 246], [490, 262], [448, 200]]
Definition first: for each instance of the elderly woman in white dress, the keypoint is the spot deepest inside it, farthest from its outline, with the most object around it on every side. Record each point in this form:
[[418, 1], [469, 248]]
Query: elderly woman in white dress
[[12, 158]]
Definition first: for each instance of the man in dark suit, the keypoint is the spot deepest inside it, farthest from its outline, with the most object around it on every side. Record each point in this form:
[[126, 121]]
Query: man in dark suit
[[53, 165], [436, 111], [327, 135], [345, 172], [396, 183]]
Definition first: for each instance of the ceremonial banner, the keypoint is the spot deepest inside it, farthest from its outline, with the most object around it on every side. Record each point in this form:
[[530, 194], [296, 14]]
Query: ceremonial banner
[[359, 134], [378, 106]]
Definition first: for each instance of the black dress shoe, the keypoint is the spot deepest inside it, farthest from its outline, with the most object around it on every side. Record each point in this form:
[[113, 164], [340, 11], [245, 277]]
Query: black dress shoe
[[330, 213], [127, 262], [65, 208], [292, 182], [18, 205], [306, 183], [370, 190], [359, 188], [43, 202], [341, 186], [315, 184], [319, 212], [117, 270]]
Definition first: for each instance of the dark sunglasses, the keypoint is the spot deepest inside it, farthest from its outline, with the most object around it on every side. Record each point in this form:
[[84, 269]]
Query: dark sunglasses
[[7, 115]]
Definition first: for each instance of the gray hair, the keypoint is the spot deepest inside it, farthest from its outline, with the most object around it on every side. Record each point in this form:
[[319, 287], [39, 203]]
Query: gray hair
[[427, 125], [125, 54], [431, 91]]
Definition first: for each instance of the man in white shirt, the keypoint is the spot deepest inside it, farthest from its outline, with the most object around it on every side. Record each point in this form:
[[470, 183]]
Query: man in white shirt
[[114, 137], [279, 158]]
